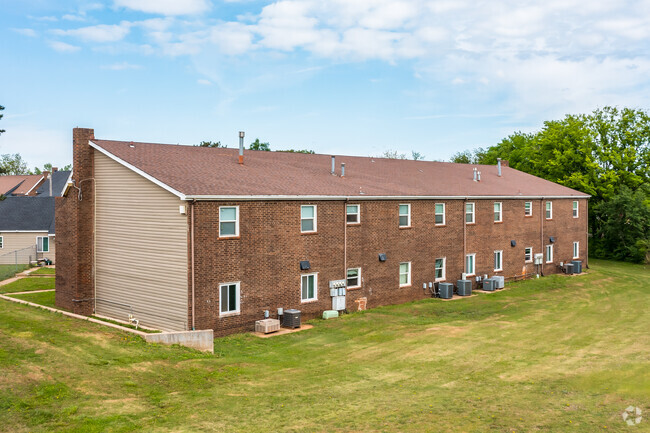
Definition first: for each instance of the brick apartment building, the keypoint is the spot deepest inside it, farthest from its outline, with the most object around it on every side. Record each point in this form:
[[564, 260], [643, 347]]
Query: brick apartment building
[[185, 237]]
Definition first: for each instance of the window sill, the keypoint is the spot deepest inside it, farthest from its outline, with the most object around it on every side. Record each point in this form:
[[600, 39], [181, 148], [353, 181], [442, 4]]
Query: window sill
[[528, 261], [308, 301], [549, 219], [354, 224], [308, 233], [221, 238], [404, 227], [498, 222], [440, 280], [354, 288], [405, 285], [470, 275], [441, 225], [470, 224], [549, 263], [224, 315], [496, 271], [528, 216]]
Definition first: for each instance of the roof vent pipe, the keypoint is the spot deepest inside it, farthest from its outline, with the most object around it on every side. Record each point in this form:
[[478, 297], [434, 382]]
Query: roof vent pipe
[[333, 164], [50, 178], [479, 176], [343, 169], [474, 174], [499, 166], [241, 147]]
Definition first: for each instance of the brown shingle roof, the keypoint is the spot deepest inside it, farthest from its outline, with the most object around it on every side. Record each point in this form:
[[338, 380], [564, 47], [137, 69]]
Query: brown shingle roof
[[22, 183], [199, 171]]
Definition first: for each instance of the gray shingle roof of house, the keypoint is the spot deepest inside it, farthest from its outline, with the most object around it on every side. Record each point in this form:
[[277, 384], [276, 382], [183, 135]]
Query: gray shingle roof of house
[[27, 214], [59, 180]]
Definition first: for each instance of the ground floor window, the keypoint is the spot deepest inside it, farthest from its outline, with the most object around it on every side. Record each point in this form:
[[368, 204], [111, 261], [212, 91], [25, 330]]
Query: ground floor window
[[440, 269], [1, 242], [470, 260], [309, 287], [354, 277], [405, 274], [42, 244], [549, 253], [498, 260], [528, 254], [229, 298], [576, 250]]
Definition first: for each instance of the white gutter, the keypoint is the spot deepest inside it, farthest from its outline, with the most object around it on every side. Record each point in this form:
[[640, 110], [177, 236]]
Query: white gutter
[[138, 171], [375, 197], [67, 185], [32, 188]]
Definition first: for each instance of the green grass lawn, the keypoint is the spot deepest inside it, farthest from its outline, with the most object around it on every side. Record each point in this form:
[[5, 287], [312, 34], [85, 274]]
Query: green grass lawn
[[28, 285], [8, 271], [558, 354], [42, 298], [44, 271]]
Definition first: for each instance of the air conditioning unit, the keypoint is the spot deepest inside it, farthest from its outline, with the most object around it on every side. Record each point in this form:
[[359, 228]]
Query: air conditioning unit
[[267, 326], [500, 281], [577, 266], [489, 285], [568, 268], [446, 290], [464, 287], [539, 258], [291, 319]]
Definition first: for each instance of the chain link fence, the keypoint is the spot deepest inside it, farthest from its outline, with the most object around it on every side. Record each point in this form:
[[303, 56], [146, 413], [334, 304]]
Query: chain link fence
[[16, 261]]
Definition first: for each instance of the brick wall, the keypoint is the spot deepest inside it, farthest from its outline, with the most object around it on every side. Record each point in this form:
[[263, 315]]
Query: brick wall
[[265, 258], [74, 237]]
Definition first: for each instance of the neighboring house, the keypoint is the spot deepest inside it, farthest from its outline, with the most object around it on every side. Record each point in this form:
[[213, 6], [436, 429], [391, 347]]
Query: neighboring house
[[21, 185], [27, 217], [186, 237]]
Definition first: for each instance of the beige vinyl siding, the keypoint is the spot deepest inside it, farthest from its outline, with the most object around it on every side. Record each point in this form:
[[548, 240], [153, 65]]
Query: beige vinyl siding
[[21, 246], [141, 249]]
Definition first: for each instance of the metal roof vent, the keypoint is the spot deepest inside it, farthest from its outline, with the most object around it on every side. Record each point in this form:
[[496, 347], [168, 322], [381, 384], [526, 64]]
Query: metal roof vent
[[304, 265]]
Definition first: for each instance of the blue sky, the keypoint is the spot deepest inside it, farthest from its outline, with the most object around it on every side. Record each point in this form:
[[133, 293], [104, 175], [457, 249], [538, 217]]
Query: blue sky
[[351, 77]]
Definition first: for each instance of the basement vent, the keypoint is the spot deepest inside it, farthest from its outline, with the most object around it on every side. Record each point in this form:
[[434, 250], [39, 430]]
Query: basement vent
[[304, 265], [513, 243], [382, 257], [552, 239]]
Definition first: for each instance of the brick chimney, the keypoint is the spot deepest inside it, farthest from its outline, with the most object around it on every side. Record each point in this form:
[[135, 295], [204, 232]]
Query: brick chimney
[[75, 230]]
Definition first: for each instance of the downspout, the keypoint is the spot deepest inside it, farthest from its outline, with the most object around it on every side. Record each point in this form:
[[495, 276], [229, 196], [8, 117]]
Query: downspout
[[542, 217], [465, 237], [345, 240], [192, 258], [587, 234]]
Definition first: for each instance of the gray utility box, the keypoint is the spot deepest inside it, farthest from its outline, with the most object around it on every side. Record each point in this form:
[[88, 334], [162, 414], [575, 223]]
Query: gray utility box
[[291, 319], [446, 290], [577, 266], [464, 287], [489, 285], [568, 268]]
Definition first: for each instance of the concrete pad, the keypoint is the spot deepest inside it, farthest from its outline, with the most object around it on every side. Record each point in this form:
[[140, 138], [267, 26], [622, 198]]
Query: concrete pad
[[202, 340], [282, 331]]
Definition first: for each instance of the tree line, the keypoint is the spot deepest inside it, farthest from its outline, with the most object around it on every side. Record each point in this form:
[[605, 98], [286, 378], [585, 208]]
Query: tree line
[[605, 154]]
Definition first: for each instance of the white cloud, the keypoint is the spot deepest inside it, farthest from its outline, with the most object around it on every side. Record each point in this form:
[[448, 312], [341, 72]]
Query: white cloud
[[98, 33], [62, 47], [166, 7], [232, 38], [71, 17], [26, 32], [122, 66], [204, 82]]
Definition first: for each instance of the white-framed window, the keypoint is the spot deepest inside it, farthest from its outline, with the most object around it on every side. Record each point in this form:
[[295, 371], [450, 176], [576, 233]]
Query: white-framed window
[[498, 214], [308, 218], [228, 298], [440, 214], [308, 287], [353, 214], [528, 254], [228, 221], [549, 210], [576, 250], [42, 244], [469, 213], [470, 261], [440, 269], [528, 208], [575, 209], [2, 243], [498, 260], [405, 274], [405, 215], [549, 253], [354, 278]]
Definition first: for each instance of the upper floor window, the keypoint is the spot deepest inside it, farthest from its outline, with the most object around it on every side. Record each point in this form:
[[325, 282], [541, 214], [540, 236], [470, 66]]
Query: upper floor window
[[228, 298], [42, 244], [405, 274], [528, 254], [352, 214], [309, 287], [228, 221], [498, 260], [498, 215], [469, 213], [405, 215], [440, 214], [440, 269], [575, 209], [308, 218], [470, 260], [354, 277], [549, 210], [528, 208]]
